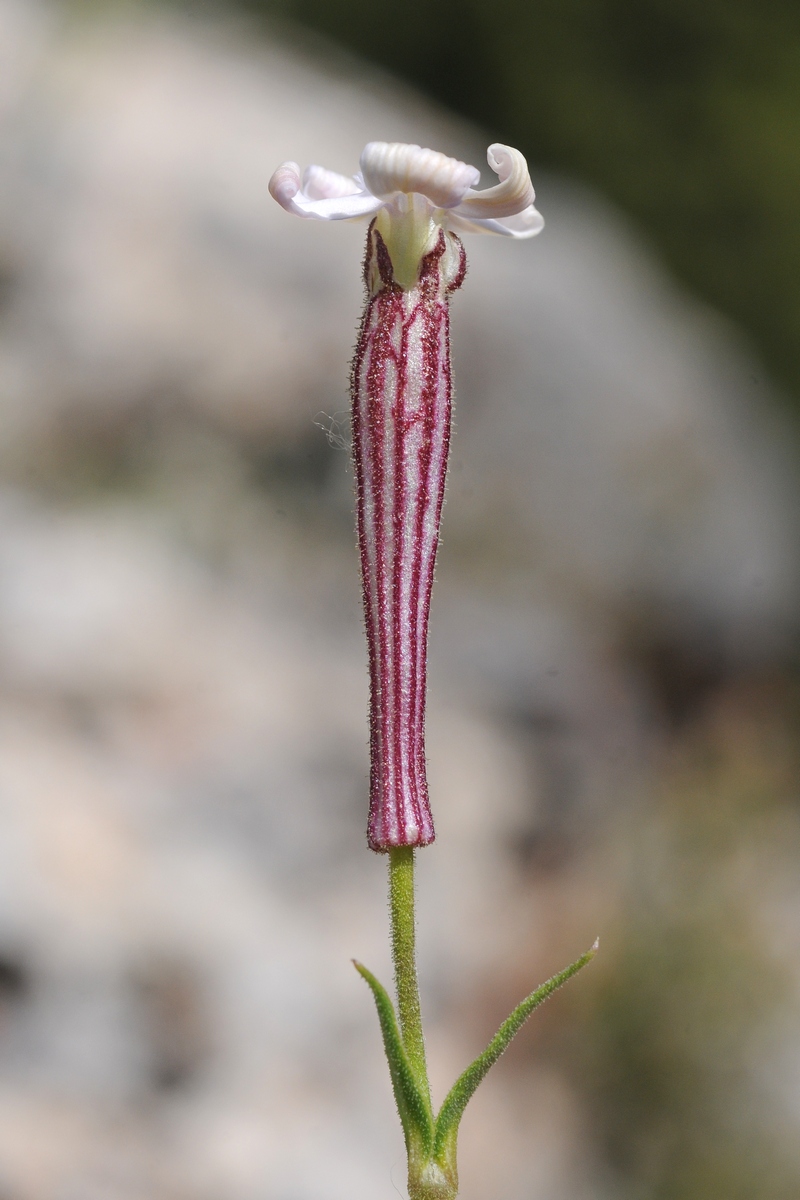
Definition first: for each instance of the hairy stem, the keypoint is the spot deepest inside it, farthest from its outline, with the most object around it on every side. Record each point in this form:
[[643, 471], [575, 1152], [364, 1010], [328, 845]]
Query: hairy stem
[[401, 905]]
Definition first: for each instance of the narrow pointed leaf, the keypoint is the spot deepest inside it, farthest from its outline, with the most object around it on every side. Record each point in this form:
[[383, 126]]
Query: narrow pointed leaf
[[464, 1088], [413, 1106]]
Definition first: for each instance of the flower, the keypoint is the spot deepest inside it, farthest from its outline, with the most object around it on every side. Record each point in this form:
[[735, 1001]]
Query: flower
[[419, 201], [413, 192]]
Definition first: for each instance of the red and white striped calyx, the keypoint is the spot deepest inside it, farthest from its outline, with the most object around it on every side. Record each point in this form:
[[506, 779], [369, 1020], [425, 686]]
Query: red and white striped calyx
[[419, 201], [402, 395]]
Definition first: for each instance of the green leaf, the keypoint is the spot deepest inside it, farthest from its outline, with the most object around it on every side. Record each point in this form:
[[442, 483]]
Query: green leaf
[[412, 1104], [464, 1088]]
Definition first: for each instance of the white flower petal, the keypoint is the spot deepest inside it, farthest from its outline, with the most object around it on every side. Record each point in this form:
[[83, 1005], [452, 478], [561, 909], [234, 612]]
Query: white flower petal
[[284, 187], [320, 184], [511, 196], [285, 184], [338, 208], [521, 225], [391, 167]]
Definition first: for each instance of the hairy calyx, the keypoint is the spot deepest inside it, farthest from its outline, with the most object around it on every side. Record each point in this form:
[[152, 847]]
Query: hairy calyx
[[402, 398]]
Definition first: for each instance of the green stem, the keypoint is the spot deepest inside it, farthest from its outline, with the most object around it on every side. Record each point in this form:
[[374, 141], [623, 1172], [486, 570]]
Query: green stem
[[401, 905]]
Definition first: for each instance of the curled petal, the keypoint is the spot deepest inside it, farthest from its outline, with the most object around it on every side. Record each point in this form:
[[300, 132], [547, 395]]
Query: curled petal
[[284, 187], [285, 184], [321, 184], [521, 225], [511, 196], [391, 167]]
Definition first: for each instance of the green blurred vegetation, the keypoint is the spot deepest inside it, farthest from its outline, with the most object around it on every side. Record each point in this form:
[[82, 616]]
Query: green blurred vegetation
[[685, 112], [675, 1038]]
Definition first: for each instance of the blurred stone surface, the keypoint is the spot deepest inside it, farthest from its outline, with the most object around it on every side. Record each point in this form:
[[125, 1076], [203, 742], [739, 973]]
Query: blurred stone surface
[[183, 774]]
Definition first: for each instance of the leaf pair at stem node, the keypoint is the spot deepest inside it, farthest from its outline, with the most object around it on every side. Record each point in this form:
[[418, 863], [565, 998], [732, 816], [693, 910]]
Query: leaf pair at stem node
[[431, 1141]]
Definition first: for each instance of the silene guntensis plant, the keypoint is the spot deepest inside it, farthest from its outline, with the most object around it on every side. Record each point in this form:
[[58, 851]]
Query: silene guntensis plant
[[419, 202]]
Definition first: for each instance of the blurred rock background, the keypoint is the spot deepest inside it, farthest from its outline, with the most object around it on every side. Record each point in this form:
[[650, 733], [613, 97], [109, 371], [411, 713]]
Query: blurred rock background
[[614, 693]]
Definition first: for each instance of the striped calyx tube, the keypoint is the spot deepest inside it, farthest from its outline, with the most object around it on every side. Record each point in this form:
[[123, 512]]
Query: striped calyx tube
[[402, 399]]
